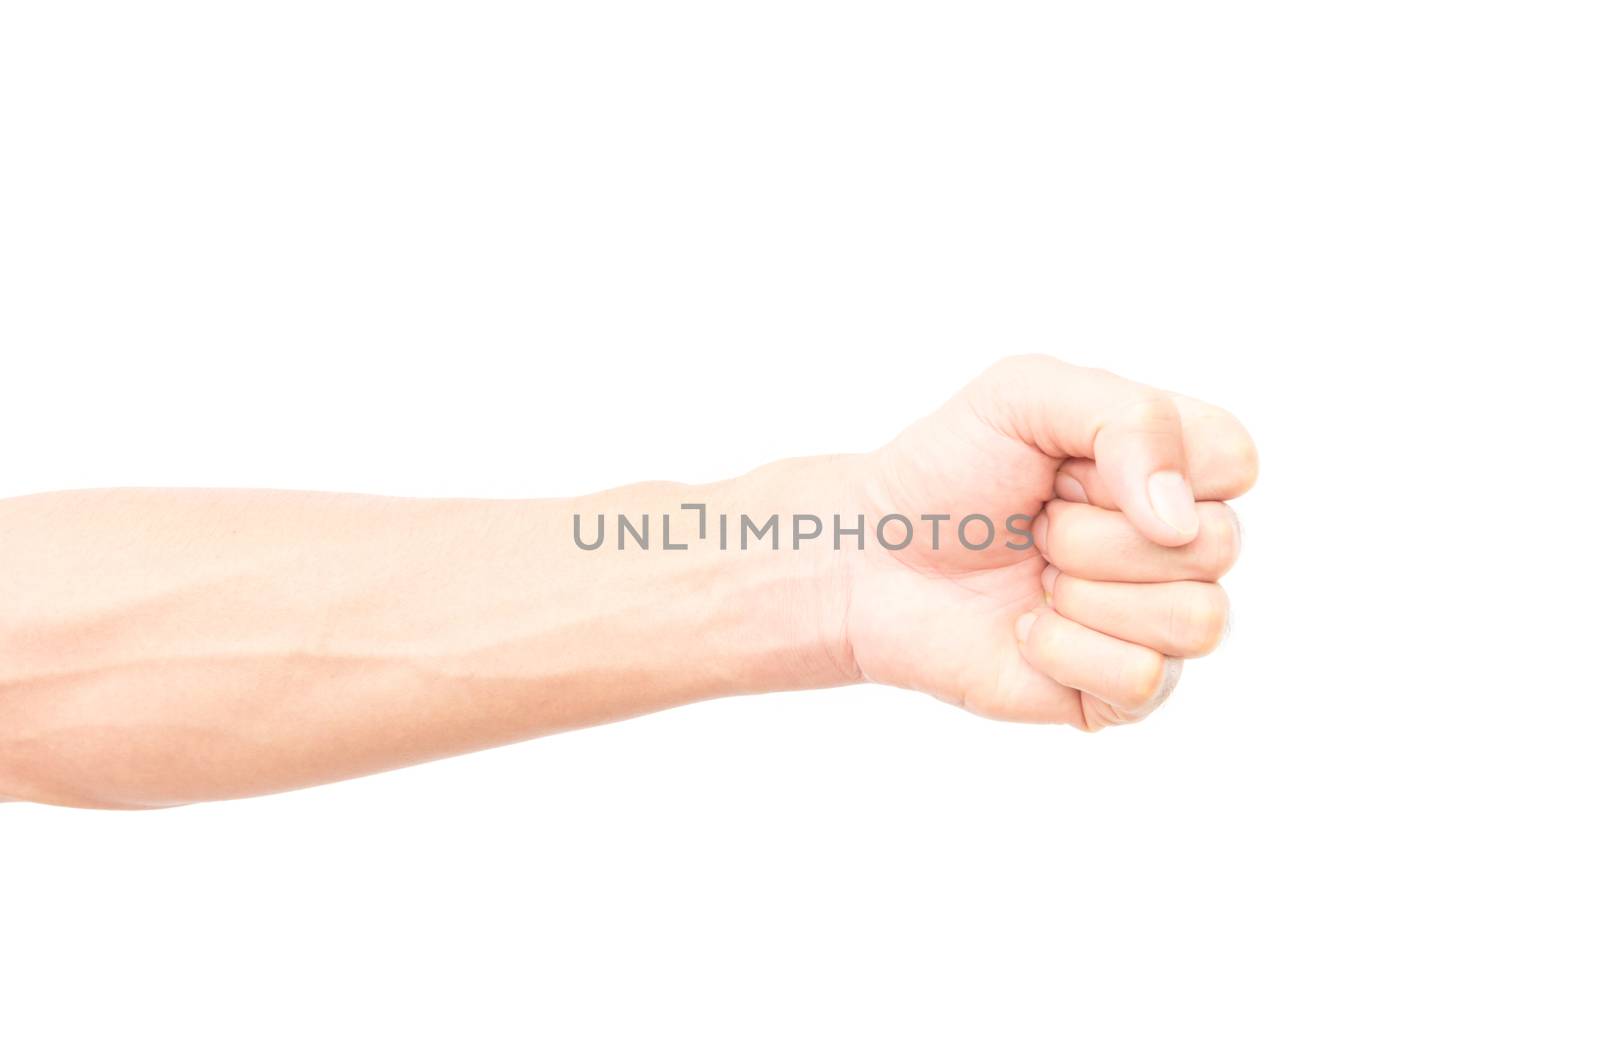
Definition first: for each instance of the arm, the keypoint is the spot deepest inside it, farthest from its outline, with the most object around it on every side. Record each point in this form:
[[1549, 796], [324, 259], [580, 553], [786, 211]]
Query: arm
[[161, 647]]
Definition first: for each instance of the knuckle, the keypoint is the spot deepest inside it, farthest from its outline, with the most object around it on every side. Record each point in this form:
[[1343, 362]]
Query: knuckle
[[1219, 544], [1244, 465], [1146, 674], [1153, 412], [1199, 620]]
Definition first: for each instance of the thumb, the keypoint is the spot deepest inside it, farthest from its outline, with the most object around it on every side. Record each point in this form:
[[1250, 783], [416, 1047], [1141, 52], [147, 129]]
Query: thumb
[[1139, 452], [1132, 431]]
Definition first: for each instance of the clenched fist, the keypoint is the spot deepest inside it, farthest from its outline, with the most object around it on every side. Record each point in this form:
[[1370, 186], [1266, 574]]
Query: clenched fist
[[1123, 486]]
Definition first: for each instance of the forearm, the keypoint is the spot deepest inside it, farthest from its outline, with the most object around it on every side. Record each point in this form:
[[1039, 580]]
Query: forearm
[[159, 647]]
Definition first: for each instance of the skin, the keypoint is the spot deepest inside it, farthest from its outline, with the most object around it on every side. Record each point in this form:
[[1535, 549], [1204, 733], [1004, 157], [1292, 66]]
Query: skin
[[164, 647]]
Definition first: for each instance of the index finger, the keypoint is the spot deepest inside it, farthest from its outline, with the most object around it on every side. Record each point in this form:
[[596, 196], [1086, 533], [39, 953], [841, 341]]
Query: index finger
[[1222, 459]]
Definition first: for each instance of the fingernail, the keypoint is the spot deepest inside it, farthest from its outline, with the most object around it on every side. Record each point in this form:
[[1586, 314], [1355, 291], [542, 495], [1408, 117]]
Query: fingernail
[[1025, 624], [1173, 502], [1051, 574], [1069, 488]]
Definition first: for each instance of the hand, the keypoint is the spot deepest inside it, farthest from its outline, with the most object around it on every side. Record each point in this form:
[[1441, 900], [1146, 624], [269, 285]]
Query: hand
[[1088, 625]]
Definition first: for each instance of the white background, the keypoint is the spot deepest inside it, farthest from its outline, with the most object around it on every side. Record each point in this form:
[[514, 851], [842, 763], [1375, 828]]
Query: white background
[[526, 249]]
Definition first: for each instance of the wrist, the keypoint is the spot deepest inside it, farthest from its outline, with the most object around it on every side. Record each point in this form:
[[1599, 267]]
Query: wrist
[[810, 579]]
